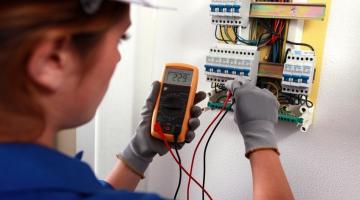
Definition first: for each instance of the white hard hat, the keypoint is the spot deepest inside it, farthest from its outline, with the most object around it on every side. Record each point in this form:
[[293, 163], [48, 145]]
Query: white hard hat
[[91, 6]]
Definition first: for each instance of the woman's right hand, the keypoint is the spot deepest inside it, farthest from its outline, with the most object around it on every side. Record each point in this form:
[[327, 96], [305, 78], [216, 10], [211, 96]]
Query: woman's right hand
[[256, 113]]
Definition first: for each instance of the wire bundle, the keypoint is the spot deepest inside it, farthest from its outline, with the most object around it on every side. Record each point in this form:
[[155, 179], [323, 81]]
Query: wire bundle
[[232, 36]]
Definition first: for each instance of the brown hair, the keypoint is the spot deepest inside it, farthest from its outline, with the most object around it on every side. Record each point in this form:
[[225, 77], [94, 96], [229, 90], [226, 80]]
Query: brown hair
[[22, 24]]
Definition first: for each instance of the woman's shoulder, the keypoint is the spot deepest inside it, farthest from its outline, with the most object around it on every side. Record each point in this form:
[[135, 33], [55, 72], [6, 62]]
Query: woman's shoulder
[[36, 172]]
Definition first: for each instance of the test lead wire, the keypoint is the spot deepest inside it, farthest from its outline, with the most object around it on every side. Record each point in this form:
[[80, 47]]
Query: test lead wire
[[206, 146], [202, 137], [180, 171], [159, 130]]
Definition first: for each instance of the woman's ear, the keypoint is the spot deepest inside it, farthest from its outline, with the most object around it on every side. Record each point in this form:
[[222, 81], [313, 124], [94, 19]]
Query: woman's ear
[[47, 62]]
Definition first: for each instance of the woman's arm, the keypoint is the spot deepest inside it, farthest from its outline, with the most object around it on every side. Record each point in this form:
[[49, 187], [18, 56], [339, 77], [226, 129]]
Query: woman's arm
[[256, 113], [142, 148], [269, 180], [122, 177]]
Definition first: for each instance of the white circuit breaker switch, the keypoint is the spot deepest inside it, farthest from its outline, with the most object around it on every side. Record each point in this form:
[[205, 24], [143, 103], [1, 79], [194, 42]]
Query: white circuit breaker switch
[[298, 73], [230, 12], [227, 62]]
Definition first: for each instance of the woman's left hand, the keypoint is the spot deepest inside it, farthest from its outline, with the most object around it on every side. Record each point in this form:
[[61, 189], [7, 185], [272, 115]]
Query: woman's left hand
[[143, 147]]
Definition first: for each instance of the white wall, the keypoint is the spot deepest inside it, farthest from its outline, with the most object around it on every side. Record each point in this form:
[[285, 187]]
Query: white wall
[[323, 164]]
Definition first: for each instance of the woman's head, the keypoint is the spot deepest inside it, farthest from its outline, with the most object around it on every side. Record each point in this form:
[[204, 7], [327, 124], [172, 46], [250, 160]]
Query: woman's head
[[56, 62]]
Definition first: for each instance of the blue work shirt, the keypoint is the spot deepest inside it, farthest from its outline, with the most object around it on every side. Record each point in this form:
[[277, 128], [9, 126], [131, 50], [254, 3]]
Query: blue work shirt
[[29, 171]]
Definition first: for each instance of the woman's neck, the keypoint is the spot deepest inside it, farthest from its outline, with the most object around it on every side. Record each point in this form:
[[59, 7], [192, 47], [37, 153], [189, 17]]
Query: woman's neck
[[47, 138]]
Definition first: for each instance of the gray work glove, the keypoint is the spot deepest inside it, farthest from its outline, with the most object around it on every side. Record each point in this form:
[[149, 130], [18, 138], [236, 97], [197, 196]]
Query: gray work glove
[[143, 147], [256, 113]]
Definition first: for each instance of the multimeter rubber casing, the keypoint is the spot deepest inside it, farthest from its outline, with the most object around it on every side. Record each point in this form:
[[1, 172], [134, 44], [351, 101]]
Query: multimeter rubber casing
[[172, 110]]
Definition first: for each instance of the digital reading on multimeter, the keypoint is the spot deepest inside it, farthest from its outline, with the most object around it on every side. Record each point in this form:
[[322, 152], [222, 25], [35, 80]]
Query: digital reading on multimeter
[[172, 110]]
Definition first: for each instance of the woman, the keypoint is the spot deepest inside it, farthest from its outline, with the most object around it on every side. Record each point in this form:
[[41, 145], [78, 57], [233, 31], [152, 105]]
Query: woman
[[57, 58]]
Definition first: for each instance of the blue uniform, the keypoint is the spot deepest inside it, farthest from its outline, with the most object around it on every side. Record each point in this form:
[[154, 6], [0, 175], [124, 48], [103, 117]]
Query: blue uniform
[[29, 171]]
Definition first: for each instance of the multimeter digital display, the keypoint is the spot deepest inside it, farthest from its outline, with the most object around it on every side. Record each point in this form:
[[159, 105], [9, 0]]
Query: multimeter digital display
[[172, 110], [178, 77]]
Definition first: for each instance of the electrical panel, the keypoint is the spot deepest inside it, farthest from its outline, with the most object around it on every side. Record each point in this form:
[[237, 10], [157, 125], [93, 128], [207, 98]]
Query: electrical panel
[[252, 41]]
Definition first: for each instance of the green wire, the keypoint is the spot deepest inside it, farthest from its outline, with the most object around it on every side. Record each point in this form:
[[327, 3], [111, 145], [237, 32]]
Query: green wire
[[218, 99]]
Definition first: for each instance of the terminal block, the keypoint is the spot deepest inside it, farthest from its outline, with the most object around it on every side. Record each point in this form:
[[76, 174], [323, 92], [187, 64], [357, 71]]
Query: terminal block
[[228, 62], [230, 12], [216, 100], [298, 72]]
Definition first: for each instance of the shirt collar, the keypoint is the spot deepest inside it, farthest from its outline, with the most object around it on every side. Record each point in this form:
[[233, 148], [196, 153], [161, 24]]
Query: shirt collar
[[30, 166]]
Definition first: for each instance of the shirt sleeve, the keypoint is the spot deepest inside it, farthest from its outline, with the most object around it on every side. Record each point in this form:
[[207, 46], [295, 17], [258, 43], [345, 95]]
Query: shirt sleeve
[[106, 185]]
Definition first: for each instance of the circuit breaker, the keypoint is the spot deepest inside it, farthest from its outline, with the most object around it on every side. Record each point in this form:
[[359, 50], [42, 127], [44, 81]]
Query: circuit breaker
[[228, 62], [231, 12], [298, 73]]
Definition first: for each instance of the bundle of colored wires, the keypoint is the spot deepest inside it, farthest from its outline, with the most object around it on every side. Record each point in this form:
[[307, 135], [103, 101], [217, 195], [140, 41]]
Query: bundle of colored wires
[[278, 30], [198, 144], [224, 31]]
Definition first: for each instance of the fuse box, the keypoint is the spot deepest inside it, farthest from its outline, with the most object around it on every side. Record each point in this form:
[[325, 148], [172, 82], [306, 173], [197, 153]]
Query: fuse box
[[252, 41]]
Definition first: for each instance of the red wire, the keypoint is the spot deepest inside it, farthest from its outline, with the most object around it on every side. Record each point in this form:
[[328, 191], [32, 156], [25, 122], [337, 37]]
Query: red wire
[[198, 144], [278, 23], [172, 154]]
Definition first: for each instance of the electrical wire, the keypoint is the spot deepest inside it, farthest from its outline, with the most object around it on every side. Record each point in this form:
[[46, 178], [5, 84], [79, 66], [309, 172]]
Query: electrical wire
[[218, 100], [298, 44], [216, 34], [299, 100], [206, 146], [159, 130], [270, 30], [301, 44], [277, 89], [261, 36], [286, 54], [180, 173], [244, 41], [226, 31], [241, 39], [198, 144], [304, 100], [222, 36]]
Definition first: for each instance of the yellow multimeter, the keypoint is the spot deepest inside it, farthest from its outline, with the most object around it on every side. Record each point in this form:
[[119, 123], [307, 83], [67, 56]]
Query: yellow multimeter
[[172, 110]]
